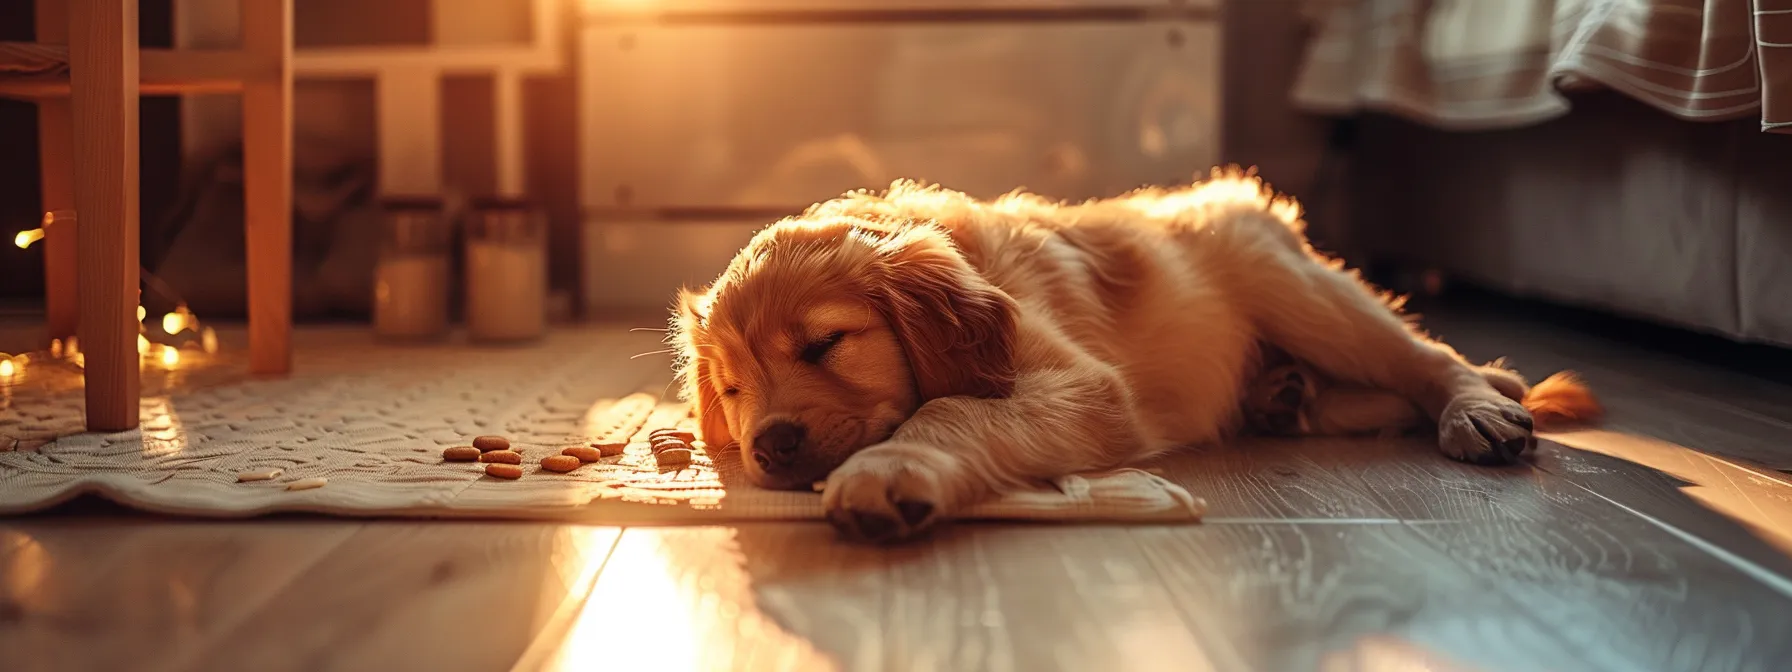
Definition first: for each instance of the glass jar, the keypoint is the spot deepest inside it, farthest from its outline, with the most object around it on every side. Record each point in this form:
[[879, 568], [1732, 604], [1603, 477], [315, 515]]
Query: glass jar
[[507, 271], [411, 278]]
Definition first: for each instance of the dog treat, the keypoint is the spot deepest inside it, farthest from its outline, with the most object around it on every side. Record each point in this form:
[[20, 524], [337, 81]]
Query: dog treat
[[258, 475], [585, 454], [560, 463], [307, 483], [610, 448], [461, 454], [672, 456], [668, 443], [504, 471], [502, 457], [818, 486], [486, 444], [674, 432]]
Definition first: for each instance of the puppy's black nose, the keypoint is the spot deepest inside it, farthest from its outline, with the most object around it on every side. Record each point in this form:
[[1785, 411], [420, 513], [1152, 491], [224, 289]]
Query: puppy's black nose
[[778, 444]]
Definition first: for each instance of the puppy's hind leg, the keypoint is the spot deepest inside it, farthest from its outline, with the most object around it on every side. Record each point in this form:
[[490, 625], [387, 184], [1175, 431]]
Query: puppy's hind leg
[[1293, 400], [1329, 319]]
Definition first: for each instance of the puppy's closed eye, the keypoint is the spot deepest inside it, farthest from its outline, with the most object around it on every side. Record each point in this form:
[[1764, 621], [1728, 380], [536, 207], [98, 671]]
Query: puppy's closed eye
[[819, 348]]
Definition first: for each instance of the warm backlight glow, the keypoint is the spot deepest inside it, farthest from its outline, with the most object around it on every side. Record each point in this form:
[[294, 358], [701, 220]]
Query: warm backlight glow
[[208, 341], [170, 356], [6, 368], [56, 348], [26, 238], [174, 322], [142, 344], [141, 313]]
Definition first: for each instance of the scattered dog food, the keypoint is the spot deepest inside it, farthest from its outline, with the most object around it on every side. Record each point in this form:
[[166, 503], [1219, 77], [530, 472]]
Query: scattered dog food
[[504, 471], [502, 457], [584, 453], [461, 454], [561, 463], [610, 448], [668, 443], [486, 444], [307, 483], [674, 432], [258, 475], [671, 457]]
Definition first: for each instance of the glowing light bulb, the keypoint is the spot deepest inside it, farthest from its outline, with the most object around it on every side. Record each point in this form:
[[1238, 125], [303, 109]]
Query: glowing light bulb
[[27, 237], [6, 368], [174, 322], [142, 344], [141, 313], [170, 356], [208, 340]]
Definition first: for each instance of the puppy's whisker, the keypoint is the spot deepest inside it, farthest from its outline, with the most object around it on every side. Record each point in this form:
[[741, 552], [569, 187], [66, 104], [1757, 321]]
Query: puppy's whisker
[[634, 329], [655, 352]]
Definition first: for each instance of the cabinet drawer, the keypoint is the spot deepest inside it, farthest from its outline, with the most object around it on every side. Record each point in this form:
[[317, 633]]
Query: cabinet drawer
[[771, 116]]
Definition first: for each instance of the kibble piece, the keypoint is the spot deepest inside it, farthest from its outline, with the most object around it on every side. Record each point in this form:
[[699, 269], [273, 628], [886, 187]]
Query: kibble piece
[[461, 454], [585, 454], [307, 483], [560, 463], [818, 486], [258, 475], [502, 457], [672, 456], [486, 444], [673, 432], [506, 471], [610, 448], [668, 443]]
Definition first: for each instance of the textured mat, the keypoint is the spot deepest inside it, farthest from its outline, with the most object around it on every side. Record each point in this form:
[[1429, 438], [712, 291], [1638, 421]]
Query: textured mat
[[373, 419]]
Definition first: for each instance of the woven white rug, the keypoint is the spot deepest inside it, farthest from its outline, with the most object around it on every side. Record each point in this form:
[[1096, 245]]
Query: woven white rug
[[373, 419]]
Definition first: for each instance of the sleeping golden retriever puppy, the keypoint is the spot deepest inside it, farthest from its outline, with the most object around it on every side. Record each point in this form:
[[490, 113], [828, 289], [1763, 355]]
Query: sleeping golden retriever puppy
[[922, 350]]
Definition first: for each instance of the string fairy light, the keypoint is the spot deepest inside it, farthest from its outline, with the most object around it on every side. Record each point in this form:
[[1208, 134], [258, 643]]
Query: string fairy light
[[173, 323]]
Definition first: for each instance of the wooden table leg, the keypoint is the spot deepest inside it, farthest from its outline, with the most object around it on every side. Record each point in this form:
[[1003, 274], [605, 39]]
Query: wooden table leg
[[56, 156], [103, 77], [267, 186]]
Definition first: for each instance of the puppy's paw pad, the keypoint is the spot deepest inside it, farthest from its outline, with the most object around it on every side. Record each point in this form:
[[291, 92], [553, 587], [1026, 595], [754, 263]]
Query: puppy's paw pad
[[883, 498], [1485, 430], [884, 495]]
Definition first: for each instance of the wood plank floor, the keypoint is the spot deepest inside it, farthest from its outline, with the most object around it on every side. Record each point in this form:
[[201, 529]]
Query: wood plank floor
[[1662, 541]]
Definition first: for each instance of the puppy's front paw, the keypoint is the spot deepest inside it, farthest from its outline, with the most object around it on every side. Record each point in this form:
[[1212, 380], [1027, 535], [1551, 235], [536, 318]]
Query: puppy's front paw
[[1488, 430], [888, 492]]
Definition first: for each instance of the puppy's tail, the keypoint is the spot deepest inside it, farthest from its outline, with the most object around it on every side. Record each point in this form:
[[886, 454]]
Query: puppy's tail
[[1560, 401]]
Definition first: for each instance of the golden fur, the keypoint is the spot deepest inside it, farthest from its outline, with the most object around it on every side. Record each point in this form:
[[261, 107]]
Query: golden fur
[[922, 350]]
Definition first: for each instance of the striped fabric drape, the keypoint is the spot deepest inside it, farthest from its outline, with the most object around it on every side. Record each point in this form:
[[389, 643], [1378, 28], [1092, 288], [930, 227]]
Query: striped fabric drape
[[1482, 64]]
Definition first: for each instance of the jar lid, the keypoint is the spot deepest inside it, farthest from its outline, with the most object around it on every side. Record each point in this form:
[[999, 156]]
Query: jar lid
[[411, 202]]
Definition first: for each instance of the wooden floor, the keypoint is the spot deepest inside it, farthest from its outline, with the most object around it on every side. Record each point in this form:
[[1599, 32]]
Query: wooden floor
[[1661, 542]]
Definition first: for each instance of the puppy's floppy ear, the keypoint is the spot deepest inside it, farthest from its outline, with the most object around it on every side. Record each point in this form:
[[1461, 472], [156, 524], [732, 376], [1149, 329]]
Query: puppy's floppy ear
[[695, 370], [956, 328]]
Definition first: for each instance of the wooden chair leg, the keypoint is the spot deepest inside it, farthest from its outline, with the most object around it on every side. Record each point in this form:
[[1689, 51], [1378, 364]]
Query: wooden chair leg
[[267, 186], [56, 157], [56, 151], [103, 97]]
